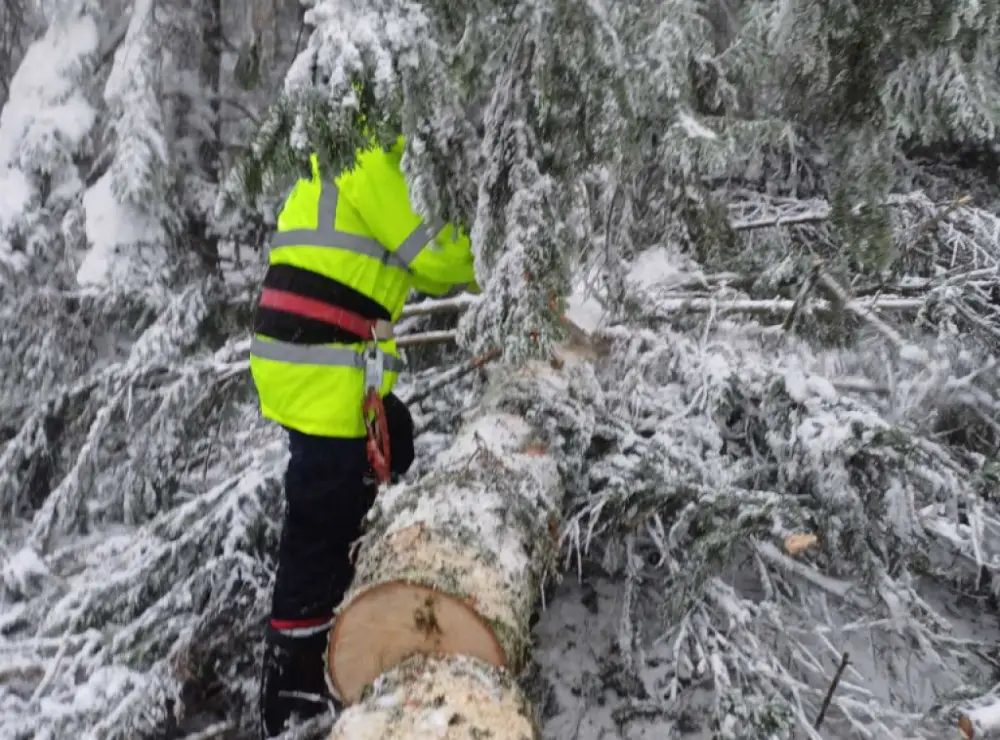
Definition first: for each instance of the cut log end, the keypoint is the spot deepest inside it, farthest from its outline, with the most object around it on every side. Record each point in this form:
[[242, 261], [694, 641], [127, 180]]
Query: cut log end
[[982, 722], [385, 624], [965, 726], [452, 698]]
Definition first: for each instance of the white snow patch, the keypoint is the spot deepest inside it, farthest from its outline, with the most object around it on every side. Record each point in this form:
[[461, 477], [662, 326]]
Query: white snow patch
[[654, 266], [914, 353], [584, 312], [110, 225], [497, 434], [46, 111], [795, 385], [986, 719], [107, 682], [23, 571], [694, 129], [802, 386], [822, 387], [575, 638], [15, 194]]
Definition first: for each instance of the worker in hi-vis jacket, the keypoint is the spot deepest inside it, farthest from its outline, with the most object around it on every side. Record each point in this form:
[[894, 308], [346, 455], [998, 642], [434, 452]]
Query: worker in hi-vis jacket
[[346, 252]]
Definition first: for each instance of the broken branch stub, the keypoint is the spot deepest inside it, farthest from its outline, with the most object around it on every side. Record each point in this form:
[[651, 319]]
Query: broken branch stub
[[983, 722]]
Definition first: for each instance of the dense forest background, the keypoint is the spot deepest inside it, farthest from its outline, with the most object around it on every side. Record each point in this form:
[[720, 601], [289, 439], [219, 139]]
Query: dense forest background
[[780, 215]]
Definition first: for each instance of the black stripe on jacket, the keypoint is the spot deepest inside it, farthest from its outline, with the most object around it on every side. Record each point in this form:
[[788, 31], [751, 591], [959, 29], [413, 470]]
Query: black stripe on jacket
[[287, 327]]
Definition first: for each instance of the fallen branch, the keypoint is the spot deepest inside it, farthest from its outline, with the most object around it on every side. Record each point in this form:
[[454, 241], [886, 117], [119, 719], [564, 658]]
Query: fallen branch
[[780, 305], [439, 305], [862, 307], [809, 217], [817, 211], [219, 729], [705, 304], [427, 337]]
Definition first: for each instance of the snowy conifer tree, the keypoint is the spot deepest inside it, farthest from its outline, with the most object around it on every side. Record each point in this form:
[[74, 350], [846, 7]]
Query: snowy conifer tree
[[758, 210]]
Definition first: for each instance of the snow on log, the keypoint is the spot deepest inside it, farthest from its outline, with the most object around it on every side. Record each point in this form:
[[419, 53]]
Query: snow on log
[[454, 564], [983, 722], [451, 697]]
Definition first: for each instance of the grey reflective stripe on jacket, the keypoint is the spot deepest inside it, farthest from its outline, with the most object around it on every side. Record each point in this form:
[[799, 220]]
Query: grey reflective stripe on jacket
[[316, 354], [326, 235]]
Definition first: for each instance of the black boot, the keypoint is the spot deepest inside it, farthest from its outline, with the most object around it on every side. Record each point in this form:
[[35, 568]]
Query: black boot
[[293, 681]]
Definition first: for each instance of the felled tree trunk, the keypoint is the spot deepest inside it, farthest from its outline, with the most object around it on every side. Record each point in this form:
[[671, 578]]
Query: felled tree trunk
[[452, 568], [450, 697]]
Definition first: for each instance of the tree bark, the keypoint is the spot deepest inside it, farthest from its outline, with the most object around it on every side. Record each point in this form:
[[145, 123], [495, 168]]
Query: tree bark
[[453, 567], [453, 697]]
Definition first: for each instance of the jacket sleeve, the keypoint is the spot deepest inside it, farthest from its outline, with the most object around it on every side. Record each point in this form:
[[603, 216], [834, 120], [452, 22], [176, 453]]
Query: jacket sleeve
[[430, 287], [438, 257], [447, 258]]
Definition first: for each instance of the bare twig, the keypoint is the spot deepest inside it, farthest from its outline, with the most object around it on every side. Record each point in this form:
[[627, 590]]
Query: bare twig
[[440, 305], [810, 217], [450, 376], [829, 692], [212, 731], [427, 337]]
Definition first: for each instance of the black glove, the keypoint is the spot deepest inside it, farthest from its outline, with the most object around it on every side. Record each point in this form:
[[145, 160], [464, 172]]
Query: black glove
[[400, 425]]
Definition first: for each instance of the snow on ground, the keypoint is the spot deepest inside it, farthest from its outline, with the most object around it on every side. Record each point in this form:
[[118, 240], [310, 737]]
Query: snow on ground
[[576, 647], [583, 696], [658, 267]]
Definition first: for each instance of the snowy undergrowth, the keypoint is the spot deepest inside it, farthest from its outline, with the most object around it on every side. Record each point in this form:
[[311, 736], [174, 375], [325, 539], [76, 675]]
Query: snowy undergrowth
[[723, 437], [134, 594], [717, 438]]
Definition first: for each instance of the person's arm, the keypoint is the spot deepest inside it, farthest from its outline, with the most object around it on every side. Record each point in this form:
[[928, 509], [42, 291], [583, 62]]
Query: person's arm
[[430, 287], [446, 259], [438, 257]]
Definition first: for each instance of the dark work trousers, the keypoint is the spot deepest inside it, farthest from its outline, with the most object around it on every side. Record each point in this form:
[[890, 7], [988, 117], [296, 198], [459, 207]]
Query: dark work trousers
[[329, 488]]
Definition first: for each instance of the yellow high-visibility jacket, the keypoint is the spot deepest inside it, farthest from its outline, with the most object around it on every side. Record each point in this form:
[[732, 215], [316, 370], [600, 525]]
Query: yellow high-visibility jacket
[[354, 243]]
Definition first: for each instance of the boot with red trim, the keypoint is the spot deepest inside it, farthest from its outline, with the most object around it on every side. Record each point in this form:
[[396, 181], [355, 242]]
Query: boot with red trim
[[293, 681]]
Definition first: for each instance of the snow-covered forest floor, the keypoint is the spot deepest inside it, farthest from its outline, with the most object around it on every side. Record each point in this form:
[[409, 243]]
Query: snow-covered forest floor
[[795, 330]]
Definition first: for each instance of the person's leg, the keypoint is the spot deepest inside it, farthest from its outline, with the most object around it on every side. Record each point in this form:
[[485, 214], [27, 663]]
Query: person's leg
[[326, 501]]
